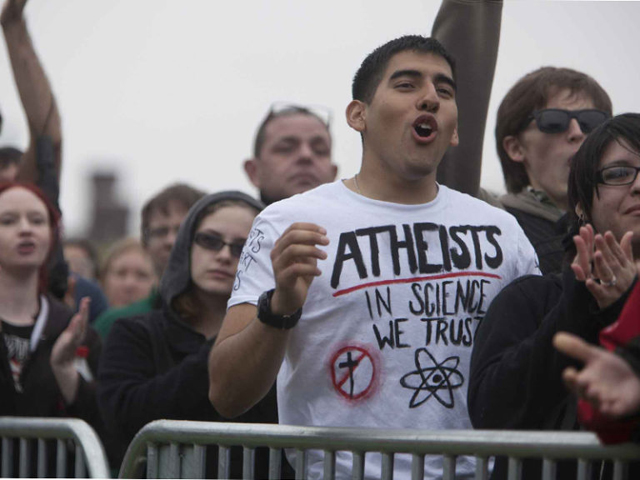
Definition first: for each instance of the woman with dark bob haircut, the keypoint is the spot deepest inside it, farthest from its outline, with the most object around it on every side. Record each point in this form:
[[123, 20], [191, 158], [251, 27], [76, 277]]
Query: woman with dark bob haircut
[[516, 374]]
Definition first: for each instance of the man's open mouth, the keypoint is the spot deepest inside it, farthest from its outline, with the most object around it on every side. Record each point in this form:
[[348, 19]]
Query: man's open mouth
[[425, 127]]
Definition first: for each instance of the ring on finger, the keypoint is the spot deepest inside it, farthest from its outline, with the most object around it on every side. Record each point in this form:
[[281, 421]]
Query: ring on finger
[[611, 283]]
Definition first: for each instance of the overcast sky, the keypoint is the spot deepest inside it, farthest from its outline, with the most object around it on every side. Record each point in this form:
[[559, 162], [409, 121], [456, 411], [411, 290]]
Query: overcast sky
[[160, 91]]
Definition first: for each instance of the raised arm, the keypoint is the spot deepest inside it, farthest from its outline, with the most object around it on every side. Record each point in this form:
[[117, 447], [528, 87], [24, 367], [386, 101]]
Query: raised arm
[[470, 31], [35, 92], [247, 355]]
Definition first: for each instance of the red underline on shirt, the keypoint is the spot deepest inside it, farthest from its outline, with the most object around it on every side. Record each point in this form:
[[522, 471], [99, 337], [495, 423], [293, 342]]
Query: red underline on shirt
[[415, 279]]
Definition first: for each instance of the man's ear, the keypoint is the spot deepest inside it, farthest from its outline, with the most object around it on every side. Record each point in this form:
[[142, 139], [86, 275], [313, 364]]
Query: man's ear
[[252, 168], [455, 139], [513, 147], [356, 115]]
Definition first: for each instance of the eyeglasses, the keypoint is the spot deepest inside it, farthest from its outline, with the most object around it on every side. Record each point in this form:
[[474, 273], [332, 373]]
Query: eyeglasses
[[618, 175], [555, 120], [210, 241]]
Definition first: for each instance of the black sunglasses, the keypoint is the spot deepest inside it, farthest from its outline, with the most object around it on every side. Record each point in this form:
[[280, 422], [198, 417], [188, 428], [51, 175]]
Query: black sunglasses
[[211, 241], [555, 120]]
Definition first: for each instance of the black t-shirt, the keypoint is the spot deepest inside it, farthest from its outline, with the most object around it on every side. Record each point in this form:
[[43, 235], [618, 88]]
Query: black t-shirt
[[16, 339]]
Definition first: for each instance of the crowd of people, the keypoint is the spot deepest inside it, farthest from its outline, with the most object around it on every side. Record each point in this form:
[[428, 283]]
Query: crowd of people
[[406, 296]]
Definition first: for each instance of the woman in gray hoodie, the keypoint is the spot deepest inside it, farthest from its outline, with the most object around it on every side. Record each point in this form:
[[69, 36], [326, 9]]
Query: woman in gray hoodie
[[154, 366]]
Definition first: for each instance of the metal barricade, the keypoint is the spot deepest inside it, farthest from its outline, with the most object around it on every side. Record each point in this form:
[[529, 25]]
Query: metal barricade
[[30, 440], [176, 449]]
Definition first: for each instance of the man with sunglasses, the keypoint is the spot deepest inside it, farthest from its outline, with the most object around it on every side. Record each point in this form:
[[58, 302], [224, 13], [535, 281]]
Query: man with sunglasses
[[542, 121]]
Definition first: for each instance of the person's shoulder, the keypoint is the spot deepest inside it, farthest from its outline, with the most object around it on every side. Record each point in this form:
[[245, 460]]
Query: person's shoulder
[[86, 287], [535, 286], [57, 307], [89, 288], [489, 197], [58, 316], [315, 198], [59, 312], [551, 280], [458, 200], [143, 323], [530, 296], [326, 190], [137, 308], [104, 322]]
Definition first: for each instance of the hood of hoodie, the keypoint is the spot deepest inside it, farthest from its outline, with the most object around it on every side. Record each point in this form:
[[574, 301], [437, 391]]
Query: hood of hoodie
[[177, 275]]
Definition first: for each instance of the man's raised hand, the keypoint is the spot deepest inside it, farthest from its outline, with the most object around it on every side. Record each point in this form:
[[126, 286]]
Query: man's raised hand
[[294, 259]]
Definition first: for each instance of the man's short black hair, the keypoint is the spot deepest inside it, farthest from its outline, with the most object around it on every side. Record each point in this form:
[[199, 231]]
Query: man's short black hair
[[369, 75]]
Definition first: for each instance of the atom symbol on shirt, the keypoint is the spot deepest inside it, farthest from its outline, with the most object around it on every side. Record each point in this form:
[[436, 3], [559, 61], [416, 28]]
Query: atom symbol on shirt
[[437, 381]]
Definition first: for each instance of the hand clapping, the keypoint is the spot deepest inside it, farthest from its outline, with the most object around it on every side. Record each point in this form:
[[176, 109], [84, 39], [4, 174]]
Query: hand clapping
[[606, 266]]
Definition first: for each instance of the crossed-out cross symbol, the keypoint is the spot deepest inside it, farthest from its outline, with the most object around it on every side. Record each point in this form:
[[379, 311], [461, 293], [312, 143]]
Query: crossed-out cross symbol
[[353, 364], [350, 364]]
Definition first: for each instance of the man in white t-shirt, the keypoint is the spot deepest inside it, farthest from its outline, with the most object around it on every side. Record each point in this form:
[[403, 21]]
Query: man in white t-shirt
[[363, 296]]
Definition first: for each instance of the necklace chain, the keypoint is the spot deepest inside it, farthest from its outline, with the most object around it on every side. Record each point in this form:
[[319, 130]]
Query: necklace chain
[[355, 181]]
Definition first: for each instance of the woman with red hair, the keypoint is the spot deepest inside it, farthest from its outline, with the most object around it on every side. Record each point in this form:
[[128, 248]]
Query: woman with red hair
[[41, 337]]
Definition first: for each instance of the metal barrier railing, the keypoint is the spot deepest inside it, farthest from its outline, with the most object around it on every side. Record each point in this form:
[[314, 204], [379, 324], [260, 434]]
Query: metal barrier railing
[[176, 449], [73, 438]]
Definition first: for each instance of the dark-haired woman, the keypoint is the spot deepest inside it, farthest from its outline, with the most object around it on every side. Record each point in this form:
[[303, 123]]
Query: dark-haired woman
[[516, 374]]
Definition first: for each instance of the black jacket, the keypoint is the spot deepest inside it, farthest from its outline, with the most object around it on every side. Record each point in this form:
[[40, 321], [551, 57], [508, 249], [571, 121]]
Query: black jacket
[[41, 396], [155, 366], [516, 373], [546, 236]]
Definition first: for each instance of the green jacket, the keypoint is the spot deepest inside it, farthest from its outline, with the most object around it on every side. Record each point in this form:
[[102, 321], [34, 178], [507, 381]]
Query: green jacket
[[103, 323]]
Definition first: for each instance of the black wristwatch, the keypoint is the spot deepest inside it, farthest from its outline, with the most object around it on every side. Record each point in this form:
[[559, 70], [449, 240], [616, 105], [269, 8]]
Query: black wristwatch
[[266, 316]]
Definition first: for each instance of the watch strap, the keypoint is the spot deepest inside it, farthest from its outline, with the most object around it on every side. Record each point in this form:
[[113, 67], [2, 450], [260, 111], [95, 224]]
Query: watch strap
[[266, 316]]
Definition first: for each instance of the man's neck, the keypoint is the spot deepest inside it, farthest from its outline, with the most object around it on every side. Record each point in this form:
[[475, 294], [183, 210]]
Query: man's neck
[[392, 189], [266, 199]]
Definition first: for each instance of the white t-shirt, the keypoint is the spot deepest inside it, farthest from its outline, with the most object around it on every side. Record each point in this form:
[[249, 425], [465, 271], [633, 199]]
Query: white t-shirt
[[386, 332]]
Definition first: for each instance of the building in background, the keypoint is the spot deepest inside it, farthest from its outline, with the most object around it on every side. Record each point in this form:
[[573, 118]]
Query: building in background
[[109, 216]]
